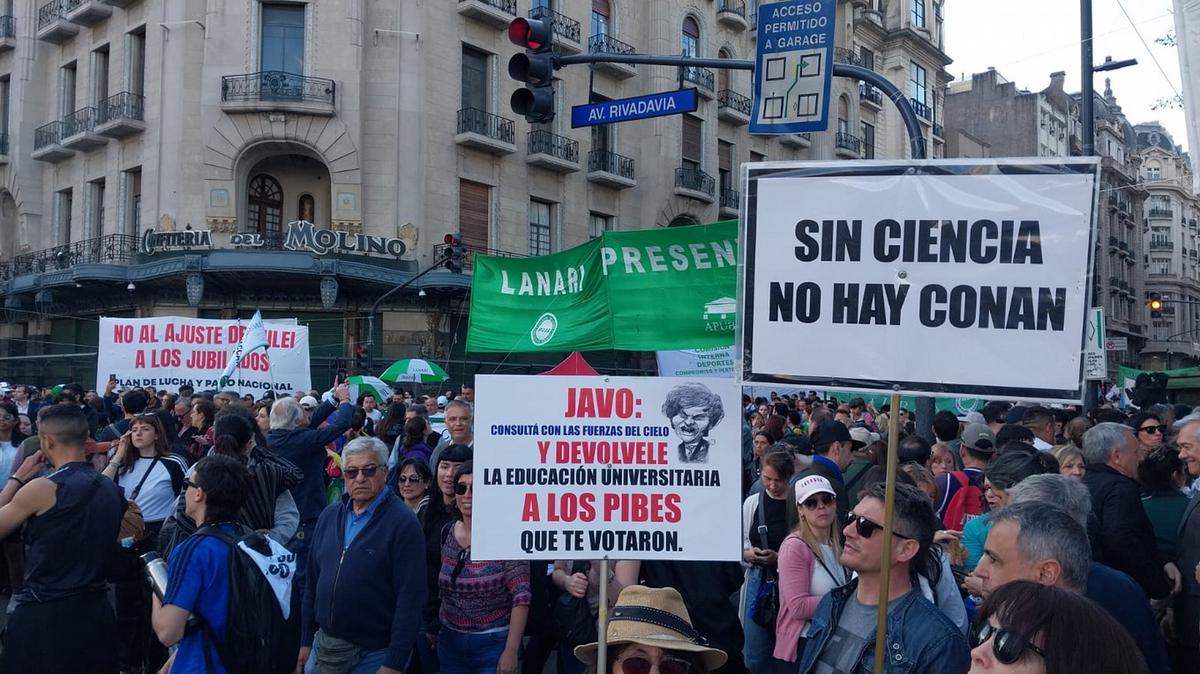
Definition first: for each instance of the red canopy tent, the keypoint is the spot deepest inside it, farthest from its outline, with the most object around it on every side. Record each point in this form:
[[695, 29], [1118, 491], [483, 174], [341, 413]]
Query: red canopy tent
[[573, 366]]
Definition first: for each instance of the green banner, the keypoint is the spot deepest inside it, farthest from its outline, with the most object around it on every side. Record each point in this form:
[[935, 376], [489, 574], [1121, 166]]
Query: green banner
[[644, 290], [553, 302]]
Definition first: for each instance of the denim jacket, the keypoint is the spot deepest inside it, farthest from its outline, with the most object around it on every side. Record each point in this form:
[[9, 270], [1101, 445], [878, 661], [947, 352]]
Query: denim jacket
[[920, 639]]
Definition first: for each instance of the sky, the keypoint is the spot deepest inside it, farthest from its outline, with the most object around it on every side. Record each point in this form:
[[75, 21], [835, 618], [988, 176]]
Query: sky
[[1026, 40]]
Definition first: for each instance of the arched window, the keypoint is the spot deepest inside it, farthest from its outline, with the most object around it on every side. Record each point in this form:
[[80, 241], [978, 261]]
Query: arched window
[[601, 11], [843, 114], [306, 209], [690, 40], [264, 210], [683, 220], [723, 74]]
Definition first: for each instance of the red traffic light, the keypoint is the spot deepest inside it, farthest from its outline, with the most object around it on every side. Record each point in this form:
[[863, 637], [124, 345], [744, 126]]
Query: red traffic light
[[530, 33]]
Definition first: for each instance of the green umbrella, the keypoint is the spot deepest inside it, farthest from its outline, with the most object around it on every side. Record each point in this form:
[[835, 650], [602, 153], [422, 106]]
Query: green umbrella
[[416, 370], [360, 384]]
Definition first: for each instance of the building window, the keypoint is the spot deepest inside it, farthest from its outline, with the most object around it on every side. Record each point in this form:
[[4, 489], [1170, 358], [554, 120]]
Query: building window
[[474, 78], [1153, 172], [306, 209], [64, 203], [96, 207], [1160, 265], [598, 224], [868, 141], [137, 62], [99, 75], [693, 144], [918, 13], [723, 73], [133, 201], [725, 165], [690, 39], [265, 207], [539, 227], [916, 82], [474, 214], [5, 103], [867, 57], [602, 134], [283, 38], [843, 122], [757, 157], [600, 13], [66, 91]]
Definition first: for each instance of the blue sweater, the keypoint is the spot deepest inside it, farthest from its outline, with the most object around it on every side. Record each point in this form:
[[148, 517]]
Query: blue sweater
[[305, 448], [371, 592]]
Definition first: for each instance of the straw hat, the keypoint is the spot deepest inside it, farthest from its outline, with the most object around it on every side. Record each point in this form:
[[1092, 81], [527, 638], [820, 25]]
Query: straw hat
[[653, 617]]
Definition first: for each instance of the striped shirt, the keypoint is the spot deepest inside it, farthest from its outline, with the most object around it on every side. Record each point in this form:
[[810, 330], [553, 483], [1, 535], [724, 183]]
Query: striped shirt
[[483, 594]]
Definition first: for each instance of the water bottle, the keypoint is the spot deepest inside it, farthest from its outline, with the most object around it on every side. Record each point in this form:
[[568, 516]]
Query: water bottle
[[156, 573]]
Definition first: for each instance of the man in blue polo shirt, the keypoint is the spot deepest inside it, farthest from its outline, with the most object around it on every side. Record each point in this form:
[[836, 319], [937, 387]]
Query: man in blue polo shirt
[[198, 569]]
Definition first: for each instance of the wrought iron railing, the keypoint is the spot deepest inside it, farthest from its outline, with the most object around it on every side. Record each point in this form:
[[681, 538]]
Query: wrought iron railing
[[611, 162], [8, 26], [107, 249], [921, 109], [562, 25], [507, 6], [730, 199], [474, 120], [733, 6], [701, 77], [728, 98], [276, 85], [47, 134], [125, 105], [848, 141], [1162, 244], [607, 44], [544, 142], [938, 130], [695, 180], [869, 93], [847, 56], [82, 120], [50, 12], [1162, 213]]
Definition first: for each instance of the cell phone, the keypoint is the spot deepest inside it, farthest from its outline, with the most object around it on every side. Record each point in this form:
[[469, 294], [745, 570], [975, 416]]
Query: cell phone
[[112, 377], [340, 378]]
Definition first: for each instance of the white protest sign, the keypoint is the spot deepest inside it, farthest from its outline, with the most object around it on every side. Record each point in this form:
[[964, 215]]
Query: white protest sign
[[1095, 362], [618, 467], [716, 362], [961, 277], [173, 351]]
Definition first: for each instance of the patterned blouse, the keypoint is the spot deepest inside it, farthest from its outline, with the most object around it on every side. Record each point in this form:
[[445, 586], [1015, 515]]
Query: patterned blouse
[[481, 595]]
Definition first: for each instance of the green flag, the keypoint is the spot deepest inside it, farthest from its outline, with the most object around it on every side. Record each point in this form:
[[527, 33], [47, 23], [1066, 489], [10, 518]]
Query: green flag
[[548, 303]]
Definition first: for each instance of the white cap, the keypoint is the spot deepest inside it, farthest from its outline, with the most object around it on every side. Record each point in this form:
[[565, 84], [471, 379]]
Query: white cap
[[813, 484], [441, 400], [309, 402]]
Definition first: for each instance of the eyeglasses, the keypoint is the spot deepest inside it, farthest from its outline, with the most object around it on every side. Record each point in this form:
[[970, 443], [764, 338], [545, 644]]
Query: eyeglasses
[[817, 499], [410, 479], [866, 528], [1007, 647], [368, 471], [668, 665], [1153, 430], [188, 484], [463, 487]]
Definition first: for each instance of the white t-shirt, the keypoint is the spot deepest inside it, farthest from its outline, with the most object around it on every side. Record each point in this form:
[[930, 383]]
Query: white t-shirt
[[8, 458], [157, 497]]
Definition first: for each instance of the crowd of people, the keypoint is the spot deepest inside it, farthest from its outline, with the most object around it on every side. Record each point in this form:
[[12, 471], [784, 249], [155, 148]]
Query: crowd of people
[[1024, 539]]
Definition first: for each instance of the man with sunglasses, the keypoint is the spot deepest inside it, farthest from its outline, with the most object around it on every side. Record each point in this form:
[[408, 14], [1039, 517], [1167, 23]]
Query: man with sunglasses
[[366, 582], [920, 638]]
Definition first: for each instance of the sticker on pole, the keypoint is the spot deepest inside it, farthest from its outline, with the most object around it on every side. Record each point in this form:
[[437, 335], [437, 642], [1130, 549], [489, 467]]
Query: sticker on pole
[[793, 66], [963, 277], [618, 467]]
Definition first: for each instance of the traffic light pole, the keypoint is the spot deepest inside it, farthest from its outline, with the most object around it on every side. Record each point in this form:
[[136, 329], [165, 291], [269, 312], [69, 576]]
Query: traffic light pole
[[375, 307]]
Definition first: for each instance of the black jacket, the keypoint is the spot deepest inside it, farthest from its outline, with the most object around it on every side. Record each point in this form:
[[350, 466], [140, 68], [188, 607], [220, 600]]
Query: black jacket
[[1121, 534]]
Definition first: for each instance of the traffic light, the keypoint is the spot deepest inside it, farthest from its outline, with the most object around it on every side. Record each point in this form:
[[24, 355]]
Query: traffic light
[[1156, 305], [362, 358], [456, 253], [535, 68]]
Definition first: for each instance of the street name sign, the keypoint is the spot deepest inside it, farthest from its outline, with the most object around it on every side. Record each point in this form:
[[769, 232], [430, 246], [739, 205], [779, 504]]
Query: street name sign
[[640, 107], [793, 66], [1095, 362]]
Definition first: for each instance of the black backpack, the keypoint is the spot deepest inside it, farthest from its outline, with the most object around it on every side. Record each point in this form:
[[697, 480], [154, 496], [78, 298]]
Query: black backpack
[[257, 638]]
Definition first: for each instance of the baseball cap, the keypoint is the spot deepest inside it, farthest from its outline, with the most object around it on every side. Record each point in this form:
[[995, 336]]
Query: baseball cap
[[972, 417], [979, 437], [309, 402], [829, 432], [861, 436], [809, 486], [441, 400]]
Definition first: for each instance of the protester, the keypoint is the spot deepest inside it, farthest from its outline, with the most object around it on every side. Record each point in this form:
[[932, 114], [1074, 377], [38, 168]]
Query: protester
[[1149, 430], [1008, 470], [369, 621], [1029, 628], [767, 518], [1070, 460], [201, 420], [11, 437], [809, 568], [651, 630], [484, 604], [133, 403], [1186, 628], [71, 518], [435, 515], [262, 416], [842, 633], [1163, 477], [1041, 422], [412, 483], [411, 444], [581, 580], [832, 447], [977, 450], [459, 431]]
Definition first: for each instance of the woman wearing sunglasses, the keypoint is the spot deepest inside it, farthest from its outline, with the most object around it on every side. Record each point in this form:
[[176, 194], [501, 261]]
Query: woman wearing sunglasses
[[412, 482], [809, 567], [1150, 431], [1028, 628], [484, 604], [650, 632]]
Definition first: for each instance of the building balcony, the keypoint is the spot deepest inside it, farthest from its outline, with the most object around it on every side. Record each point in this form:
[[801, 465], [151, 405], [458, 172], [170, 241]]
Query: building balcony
[[565, 29], [798, 140], [484, 131], [730, 202], [847, 56], [108, 249], [8, 33], [938, 131], [120, 3], [52, 23], [1161, 244], [273, 90], [870, 96], [611, 169], [847, 146], [921, 109], [732, 14], [695, 184], [498, 13], [701, 79], [1161, 213], [47, 145], [121, 115], [86, 12], [554, 152], [607, 44], [79, 130], [733, 107]]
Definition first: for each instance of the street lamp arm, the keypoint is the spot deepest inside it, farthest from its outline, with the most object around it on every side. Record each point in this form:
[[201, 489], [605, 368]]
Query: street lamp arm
[[375, 307]]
